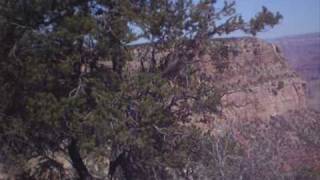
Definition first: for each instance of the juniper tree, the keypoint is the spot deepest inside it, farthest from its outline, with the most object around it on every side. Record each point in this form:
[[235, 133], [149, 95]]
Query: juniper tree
[[55, 95]]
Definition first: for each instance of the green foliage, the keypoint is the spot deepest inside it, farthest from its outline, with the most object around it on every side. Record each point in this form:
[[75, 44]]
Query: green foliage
[[263, 19]]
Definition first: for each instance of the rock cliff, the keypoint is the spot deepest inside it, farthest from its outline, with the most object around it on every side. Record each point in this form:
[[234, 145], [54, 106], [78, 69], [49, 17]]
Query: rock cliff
[[256, 82], [303, 54]]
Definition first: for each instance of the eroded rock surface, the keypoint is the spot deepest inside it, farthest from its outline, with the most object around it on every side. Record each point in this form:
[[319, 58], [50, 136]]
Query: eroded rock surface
[[256, 83]]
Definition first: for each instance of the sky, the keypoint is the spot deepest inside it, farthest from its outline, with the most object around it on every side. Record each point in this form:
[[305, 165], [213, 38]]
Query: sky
[[300, 16]]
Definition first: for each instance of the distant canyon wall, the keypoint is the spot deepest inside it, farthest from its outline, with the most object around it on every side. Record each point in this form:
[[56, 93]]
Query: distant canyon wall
[[303, 54], [257, 81]]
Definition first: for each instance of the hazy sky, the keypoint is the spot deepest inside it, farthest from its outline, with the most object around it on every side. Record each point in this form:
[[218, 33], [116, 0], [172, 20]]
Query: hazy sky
[[300, 16]]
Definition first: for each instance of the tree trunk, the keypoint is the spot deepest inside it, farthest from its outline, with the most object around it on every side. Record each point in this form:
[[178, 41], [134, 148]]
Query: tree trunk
[[153, 60], [77, 162]]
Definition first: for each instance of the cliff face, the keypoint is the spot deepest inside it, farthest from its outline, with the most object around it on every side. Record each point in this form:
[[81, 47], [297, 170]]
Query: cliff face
[[256, 82], [303, 54]]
